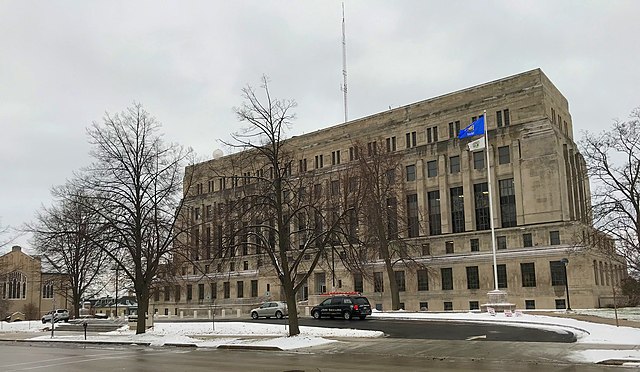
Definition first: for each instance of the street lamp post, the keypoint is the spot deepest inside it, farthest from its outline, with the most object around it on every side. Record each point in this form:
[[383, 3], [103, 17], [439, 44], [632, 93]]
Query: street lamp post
[[565, 261]]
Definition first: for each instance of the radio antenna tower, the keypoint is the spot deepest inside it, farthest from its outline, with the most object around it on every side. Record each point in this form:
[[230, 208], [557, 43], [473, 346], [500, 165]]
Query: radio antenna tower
[[344, 66]]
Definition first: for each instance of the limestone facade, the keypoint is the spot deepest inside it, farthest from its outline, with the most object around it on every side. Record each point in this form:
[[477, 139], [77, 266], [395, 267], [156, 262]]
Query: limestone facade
[[541, 202]]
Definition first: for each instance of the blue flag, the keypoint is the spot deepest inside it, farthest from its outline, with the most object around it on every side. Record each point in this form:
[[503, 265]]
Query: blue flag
[[474, 129]]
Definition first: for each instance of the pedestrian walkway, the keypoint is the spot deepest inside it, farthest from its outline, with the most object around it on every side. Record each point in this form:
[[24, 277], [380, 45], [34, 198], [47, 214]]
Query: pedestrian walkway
[[590, 318]]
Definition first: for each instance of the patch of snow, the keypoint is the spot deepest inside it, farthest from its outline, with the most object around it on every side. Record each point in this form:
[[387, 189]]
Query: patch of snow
[[599, 355], [24, 326]]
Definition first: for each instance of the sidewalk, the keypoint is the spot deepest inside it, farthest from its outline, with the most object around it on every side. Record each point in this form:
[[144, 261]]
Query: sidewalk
[[591, 319]]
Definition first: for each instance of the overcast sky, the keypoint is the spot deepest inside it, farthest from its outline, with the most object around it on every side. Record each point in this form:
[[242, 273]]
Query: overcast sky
[[65, 63]]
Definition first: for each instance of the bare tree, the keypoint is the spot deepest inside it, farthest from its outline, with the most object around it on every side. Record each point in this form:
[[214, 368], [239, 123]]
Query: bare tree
[[613, 163], [73, 239], [137, 179], [283, 216], [374, 186]]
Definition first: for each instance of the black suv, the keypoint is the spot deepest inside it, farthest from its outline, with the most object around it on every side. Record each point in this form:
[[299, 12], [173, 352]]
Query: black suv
[[346, 307]]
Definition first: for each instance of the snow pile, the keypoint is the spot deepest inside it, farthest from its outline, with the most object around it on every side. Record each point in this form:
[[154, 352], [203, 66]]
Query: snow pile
[[26, 326]]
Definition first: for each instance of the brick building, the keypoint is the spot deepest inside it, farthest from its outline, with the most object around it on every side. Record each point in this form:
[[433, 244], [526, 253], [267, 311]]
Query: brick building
[[541, 209]]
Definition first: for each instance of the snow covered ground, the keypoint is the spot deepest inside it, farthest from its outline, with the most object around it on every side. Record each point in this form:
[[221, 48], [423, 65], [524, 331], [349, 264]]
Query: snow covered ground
[[603, 337]]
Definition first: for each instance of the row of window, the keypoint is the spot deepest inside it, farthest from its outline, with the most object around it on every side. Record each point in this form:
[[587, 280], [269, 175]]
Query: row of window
[[527, 272], [14, 286], [211, 295], [411, 140], [475, 305]]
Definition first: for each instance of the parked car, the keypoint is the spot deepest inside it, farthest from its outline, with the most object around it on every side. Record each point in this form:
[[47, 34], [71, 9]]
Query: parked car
[[276, 309], [15, 317], [59, 315], [344, 306]]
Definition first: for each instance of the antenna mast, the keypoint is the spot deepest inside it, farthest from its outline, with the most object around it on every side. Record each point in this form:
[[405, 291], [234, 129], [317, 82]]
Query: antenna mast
[[344, 66]]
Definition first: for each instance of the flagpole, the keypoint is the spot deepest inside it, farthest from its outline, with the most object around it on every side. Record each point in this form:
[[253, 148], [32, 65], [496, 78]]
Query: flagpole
[[493, 230]]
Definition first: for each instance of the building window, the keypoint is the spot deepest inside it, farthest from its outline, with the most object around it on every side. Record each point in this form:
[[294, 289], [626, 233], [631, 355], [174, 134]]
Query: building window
[[226, 287], [412, 215], [424, 306], [47, 290], [554, 237], [372, 148], [502, 276], [474, 305], [528, 271], [454, 129], [358, 285], [560, 303], [595, 271], [432, 168], [254, 288], [481, 198], [433, 200], [530, 304], [423, 280], [507, 202], [378, 282], [201, 291], [473, 278], [475, 245], [189, 292], [448, 247], [391, 144], [178, 292], [527, 240], [240, 289], [503, 117], [501, 242], [213, 287], [390, 176], [426, 249], [448, 306], [167, 293], [507, 118], [232, 265], [411, 172], [447, 278], [353, 153], [245, 265], [335, 157], [504, 157], [411, 139], [319, 161], [557, 272], [335, 187], [400, 280], [302, 166], [478, 160], [454, 164], [457, 209], [432, 134]]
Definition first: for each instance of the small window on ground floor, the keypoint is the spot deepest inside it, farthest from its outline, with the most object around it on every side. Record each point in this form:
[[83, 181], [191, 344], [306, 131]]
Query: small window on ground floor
[[448, 306], [560, 303], [401, 305], [529, 304], [474, 305], [424, 306], [379, 307], [166, 311]]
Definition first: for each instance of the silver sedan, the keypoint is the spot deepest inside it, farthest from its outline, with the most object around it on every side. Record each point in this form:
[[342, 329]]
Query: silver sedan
[[270, 309]]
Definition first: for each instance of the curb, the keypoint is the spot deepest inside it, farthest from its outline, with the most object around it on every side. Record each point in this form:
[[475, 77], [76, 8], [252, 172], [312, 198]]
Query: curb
[[249, 347], [81, 342]]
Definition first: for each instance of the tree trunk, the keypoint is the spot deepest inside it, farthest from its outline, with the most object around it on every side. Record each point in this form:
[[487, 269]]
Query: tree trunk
[[294, 327], [143, 309], [393, 285]]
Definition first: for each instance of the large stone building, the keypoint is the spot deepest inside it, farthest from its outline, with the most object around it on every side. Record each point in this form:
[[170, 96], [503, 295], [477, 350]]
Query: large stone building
[[541, 209], [25, 287]]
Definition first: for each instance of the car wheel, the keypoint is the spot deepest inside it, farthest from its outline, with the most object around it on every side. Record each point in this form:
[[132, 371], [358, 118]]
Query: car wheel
[[254, 315], [363, 317], [279, 314], [346, 315], [316, 314]]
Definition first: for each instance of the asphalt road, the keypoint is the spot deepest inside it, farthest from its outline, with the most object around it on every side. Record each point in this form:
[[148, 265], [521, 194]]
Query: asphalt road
[[430, 330], [420, 355]]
